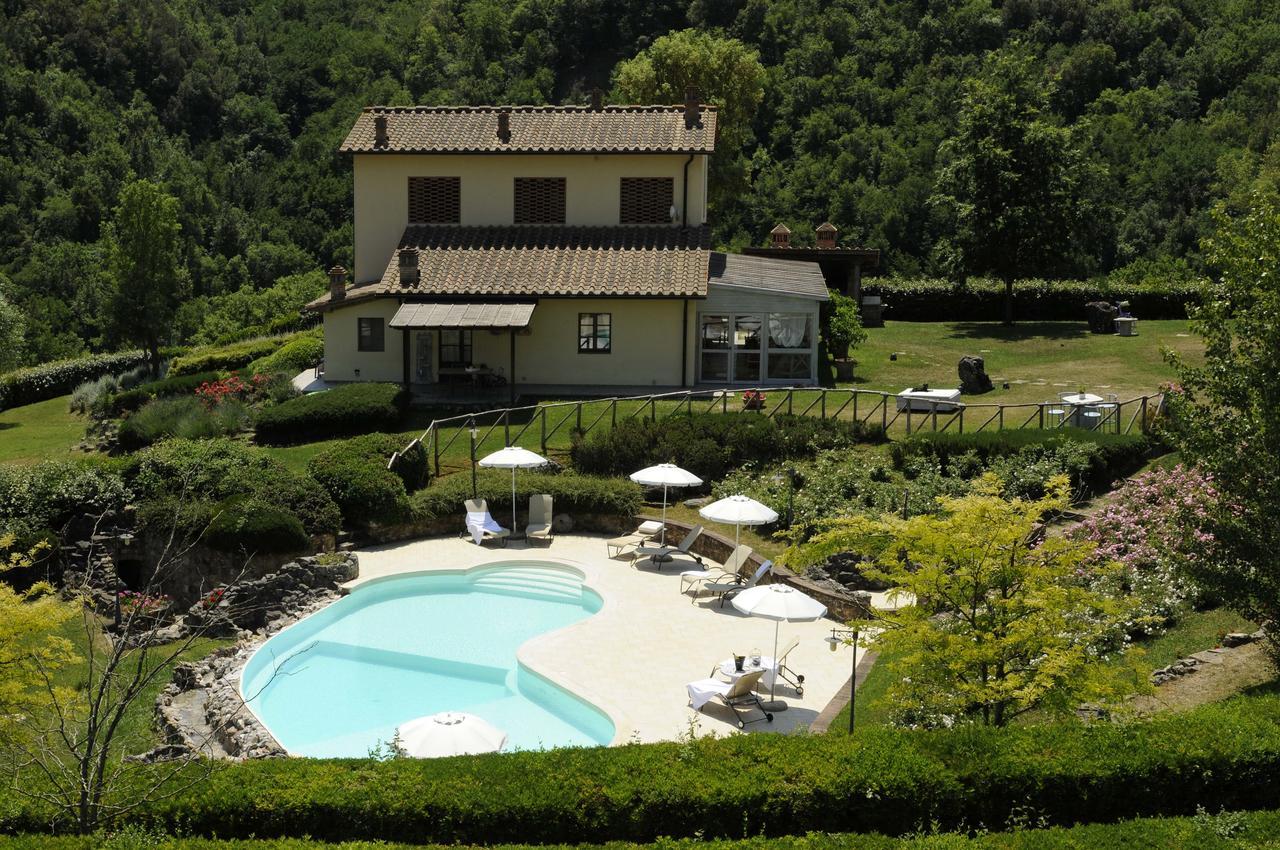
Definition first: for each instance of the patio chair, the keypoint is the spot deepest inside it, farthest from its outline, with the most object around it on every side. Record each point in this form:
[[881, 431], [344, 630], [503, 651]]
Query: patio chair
[[739, 696], [726, 590], [539, 526], [481, 525], [658, 554], [694, 579], [791, 677], [617, 546], [1054, 413]]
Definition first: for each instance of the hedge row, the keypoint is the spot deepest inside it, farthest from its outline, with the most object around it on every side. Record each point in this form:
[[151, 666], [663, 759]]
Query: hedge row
[[355, 473], [711, 444], [50, 380], [982, 299], [1220, 831], [348, 409], [570, 492], [224, 358], [302, 352], [886, 780]]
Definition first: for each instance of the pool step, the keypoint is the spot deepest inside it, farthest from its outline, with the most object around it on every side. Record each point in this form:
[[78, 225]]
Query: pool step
[[530, 581]]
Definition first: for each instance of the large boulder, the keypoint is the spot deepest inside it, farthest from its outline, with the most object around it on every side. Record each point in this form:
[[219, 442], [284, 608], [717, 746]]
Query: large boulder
[[973, 376], [1101, 316]]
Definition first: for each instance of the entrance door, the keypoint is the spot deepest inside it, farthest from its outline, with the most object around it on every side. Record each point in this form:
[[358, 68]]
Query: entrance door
[[423, 357]]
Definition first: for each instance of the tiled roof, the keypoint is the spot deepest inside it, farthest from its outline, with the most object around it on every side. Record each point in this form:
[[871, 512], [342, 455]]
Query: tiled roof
[[534, 129], [533, 261], [768, 274]]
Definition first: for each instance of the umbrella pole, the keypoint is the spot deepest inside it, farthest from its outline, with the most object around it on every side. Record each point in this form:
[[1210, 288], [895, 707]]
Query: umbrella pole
[[513, 501], [663, 541], [775, 704]]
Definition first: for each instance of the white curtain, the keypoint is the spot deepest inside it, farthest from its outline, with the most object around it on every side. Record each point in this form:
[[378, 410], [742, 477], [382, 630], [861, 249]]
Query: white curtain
[[787, 331]]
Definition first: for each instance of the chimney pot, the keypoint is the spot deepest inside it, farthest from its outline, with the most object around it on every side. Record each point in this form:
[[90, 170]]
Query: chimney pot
[[408, 266], [597, 100], [780, 236], [692, 108], [380, 137], [337, 283], [504, 126], [826, 233]]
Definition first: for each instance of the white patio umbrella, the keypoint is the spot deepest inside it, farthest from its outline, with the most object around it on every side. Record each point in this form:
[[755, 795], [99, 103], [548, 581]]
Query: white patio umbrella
[[450, 733], [778, 602], [738, 511], [665, 475], [513, 458]]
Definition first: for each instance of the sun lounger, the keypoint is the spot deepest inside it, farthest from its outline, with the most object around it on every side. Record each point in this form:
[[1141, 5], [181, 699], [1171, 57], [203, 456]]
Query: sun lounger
[[693, 579], [739, 696], [539, 527], [658, 554], [481, 525], [726, 590], [791, 677]]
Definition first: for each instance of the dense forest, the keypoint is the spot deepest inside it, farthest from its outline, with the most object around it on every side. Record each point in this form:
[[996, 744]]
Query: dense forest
[[236, 108]]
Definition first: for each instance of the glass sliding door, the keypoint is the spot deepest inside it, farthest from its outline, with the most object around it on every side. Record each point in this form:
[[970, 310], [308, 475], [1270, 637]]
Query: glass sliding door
[[790, 347], [756, 348], [715, 345]]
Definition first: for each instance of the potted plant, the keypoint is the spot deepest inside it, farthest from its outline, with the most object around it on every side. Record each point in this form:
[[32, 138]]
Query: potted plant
[[844, 330], [753, 400]]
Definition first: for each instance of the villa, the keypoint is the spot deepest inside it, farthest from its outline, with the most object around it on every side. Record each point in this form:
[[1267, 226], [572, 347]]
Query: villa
[[555, 249]]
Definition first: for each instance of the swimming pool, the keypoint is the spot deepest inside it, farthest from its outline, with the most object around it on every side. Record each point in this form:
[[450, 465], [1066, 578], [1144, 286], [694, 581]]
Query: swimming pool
[[342, 680]]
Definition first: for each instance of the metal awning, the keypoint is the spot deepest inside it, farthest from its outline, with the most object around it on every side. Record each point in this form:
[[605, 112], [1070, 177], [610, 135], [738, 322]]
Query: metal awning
[[463, 316]]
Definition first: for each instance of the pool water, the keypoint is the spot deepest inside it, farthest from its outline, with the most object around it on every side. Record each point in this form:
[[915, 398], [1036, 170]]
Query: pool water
[[339, 682]]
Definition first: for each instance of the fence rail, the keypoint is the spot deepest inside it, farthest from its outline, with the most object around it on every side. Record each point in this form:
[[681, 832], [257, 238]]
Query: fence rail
[[870, 407]]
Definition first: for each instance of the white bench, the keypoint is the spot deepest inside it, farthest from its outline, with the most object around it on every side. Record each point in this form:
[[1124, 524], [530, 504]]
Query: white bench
[[943, 401]]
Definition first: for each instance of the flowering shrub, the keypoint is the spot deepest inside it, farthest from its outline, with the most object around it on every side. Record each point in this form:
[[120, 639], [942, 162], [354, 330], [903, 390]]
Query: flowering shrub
[[212, 598], [133, 602], [213, 393], [1157, 527]]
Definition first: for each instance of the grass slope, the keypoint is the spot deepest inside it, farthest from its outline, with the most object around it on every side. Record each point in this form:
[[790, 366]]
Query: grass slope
[[46, 430]]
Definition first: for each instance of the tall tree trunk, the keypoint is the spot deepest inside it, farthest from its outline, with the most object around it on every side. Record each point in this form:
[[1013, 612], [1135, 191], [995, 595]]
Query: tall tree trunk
[[1008, 301]]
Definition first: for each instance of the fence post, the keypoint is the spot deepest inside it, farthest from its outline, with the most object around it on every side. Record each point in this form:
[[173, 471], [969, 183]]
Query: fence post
[[435, 450], [1042, 416], [884, 412], [724, 401], [688, 407], [1000, 424], [934, 408], [579, 406], [1144, 414], [960, 421], [506, 427], [886, 398], [790, 395], [855, 404], [543, 427], [653, 409], [822, 405]]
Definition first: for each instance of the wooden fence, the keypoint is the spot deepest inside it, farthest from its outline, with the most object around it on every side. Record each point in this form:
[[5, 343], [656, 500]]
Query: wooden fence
[[871, 407]]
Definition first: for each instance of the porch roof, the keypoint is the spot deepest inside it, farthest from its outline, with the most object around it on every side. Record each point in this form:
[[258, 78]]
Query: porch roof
[[463, 316]]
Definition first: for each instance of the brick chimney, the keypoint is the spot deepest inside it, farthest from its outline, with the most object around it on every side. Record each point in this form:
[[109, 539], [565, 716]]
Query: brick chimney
[[337, 283], [380, 137], [597, 100], [826, 233], [780, 237], [504, 126], [408, 266], [692, 108]]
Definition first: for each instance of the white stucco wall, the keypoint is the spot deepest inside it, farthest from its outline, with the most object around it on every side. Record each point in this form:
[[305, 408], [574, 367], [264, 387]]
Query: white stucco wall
[[592, 186], [342, 356]]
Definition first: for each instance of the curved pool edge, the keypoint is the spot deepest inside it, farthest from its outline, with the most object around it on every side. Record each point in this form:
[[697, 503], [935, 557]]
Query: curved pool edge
[[615, 715]]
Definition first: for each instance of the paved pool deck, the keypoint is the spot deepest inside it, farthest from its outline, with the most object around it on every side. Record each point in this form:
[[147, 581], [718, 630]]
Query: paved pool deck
[[634, 657]]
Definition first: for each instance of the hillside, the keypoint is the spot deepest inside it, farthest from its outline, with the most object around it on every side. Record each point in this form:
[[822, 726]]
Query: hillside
[[237, 106]]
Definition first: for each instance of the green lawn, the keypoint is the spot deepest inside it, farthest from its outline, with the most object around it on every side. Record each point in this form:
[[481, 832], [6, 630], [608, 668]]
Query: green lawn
[[1038, 359], [40, 431]]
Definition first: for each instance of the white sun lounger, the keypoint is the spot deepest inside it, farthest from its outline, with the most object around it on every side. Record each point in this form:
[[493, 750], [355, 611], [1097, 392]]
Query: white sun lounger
[[481, 525]]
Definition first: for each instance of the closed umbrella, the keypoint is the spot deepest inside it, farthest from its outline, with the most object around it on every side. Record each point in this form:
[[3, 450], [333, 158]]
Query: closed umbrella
[[778, 602], [739, 511], [513, 458], [449, 733], [665, 475]]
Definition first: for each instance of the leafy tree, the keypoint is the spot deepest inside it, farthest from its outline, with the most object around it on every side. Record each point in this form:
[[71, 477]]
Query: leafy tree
[[724, 71], [144, 259], [1008, 181], [1226, 414], [12, 327], [844, 328], [1001, 624]]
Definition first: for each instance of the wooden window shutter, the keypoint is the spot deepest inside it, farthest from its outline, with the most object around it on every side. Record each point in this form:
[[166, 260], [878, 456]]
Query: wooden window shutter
[[435, 200], [646, 200], [539, 200]]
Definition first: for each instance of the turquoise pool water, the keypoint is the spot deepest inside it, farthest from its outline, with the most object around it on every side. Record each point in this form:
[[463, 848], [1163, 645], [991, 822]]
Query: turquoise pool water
[[342, 680]]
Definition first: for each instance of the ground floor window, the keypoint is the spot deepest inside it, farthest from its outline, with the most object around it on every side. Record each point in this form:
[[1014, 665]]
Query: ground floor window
[[748, 348], [595, 333], [371, 335], [455, 349]]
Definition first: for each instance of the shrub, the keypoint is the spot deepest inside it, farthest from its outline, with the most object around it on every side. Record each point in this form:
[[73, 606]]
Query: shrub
[[49, 380], [48, 494], [710, 444], [349, 409], [301, 353], [127, 401], [844, 325], [252, 524], [982, 299], [355, 474], [86, 395], [224, 358], [571, 493], [184, 417]]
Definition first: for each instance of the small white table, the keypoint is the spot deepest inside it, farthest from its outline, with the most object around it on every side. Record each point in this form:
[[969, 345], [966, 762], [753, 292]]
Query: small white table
[[944, 401], [1126, 326], [767, 664], [1084, 409]]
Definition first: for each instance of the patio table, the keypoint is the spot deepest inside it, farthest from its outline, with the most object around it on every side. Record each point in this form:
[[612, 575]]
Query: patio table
[[767, 663]]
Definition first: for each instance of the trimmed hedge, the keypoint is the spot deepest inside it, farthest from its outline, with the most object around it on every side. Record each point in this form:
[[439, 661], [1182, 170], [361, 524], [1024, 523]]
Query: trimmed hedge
[[982, 299], [1227, 829], [885, 780], [570, 492], [348, 409], [224, 358], [355, 474], [50, 380], [711, 444], [255, 525], [300, 353]]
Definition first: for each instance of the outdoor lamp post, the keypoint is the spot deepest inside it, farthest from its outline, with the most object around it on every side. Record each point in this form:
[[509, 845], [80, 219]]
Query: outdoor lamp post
[[471, 425], [838, 637]]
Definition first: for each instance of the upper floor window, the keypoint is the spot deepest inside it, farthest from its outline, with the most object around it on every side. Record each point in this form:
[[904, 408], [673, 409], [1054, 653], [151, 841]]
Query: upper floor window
[[372, 335], [646, 200], [595, 333], [539, 200], [435, 200]]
